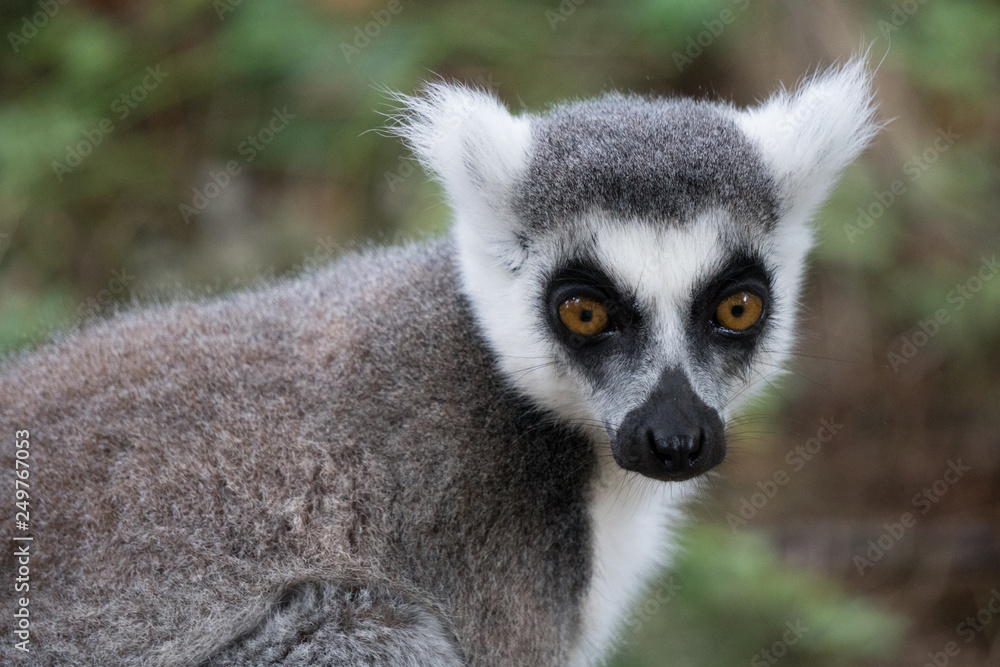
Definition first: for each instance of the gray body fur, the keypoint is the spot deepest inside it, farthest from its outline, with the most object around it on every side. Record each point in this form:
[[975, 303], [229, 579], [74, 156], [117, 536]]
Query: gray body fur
[[374, 464], [206, 486]]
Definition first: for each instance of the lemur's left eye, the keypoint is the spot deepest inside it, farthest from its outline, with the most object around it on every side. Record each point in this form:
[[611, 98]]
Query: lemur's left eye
[[740, 311], [584, 316]]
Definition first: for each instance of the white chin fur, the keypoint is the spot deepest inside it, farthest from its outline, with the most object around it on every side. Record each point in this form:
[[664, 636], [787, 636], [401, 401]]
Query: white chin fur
[[634, 520]]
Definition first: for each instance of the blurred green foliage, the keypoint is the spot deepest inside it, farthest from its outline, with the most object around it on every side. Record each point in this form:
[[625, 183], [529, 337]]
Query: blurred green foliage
[[184, 86], [728, 602]]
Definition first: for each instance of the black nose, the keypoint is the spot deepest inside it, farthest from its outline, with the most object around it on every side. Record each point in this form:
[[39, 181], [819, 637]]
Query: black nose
[[673, 435], [679, 451]]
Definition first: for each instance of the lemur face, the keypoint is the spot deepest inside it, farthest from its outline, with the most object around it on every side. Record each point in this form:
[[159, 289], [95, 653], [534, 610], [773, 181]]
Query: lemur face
[[666, 342], [635, 263]]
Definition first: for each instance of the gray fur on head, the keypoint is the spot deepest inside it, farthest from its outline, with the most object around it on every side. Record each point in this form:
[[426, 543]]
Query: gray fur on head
[[643, 158]]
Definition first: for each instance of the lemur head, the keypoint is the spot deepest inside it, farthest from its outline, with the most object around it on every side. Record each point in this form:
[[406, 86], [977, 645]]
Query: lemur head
[[635, 263]]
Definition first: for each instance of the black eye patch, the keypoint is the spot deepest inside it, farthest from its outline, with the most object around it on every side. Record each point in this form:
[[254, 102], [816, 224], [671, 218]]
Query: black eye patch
[[742, 283], [583, 283]]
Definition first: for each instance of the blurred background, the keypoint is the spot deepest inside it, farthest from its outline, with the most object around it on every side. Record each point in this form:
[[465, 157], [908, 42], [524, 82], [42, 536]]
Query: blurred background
[[149, 149]]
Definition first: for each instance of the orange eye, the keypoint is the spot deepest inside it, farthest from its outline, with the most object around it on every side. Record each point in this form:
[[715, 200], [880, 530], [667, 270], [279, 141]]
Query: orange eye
[[739, 311], [583, 316]]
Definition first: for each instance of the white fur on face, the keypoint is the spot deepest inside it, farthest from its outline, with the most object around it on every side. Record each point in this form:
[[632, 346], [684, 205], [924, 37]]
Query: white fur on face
[[663, 265]]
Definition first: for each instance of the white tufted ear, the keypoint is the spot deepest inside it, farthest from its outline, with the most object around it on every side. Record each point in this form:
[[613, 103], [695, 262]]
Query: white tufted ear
[[477, 149], [810, 135]]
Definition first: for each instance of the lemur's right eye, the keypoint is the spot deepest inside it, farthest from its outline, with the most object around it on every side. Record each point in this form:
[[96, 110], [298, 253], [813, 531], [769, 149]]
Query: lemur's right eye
[[584, 316], [739, 311]]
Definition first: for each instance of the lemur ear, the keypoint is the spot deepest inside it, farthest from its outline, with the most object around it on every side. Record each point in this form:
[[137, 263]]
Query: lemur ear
[[475, 147], [810, 135]]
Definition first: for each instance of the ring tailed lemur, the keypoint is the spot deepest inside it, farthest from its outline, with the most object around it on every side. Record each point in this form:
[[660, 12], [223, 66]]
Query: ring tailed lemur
[[467, 452]]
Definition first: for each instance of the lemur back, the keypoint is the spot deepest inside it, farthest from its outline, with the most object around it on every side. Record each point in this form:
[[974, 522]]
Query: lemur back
[[466, 452], [341, 443]]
